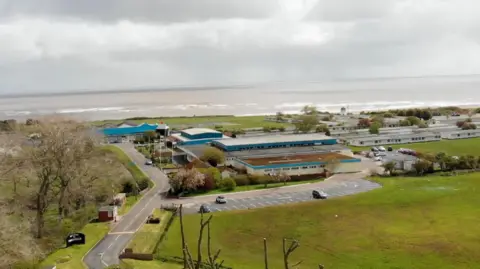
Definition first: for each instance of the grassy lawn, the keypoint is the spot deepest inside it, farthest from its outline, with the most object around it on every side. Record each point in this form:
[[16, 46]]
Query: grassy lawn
[[452, 147], [421, 223], [71, 258], [147, 237], [229, 122], [151, 265], [257, 187]]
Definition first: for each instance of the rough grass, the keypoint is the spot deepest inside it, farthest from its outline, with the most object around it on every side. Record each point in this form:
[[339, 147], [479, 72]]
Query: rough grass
[[422, 223], [147, 237], [231, 122], [129, 203], [134, 170], [71, 258], [459, 147]]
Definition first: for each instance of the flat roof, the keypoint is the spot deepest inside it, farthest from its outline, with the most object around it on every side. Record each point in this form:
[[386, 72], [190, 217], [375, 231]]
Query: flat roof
[[299, 158], [179, 137], [198, 150], [196, 131], [273, 139]]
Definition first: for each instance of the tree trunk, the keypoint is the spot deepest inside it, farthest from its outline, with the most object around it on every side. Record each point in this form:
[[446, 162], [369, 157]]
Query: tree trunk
[[265, 252], [39, 218]]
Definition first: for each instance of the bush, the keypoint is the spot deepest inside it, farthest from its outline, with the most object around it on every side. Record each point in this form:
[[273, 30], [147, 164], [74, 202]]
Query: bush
[[143, 184], [228, 184], [254, 179], [209, 183], [241, 180]]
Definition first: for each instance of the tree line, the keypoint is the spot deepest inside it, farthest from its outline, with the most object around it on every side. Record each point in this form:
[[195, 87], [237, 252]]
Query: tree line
[[54, 174]]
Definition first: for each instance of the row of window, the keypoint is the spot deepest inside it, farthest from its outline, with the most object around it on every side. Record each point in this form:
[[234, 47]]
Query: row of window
[[400, 140], [294, 168]]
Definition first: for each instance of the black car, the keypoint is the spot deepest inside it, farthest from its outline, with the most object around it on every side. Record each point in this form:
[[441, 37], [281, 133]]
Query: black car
[[221, 200], [204, 209], [390, 149], [319, 195]]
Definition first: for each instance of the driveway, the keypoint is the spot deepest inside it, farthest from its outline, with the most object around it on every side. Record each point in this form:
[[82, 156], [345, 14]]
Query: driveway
[[107, 250], [272, 197]]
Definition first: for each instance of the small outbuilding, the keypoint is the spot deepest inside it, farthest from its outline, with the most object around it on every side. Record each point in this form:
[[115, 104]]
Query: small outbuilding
[[107, 213]]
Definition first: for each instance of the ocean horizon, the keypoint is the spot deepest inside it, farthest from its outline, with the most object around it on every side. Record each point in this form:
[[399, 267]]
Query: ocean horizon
[[245, 100]]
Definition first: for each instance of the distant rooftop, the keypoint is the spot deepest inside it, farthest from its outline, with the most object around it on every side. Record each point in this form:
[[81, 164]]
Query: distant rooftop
[[300, 158], [274, 139], [196, 131], [394, 136]]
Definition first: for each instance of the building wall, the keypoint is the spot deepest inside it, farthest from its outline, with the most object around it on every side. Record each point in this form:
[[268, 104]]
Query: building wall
[[197, 141], [202, 136], [393, 140], [462, 134]]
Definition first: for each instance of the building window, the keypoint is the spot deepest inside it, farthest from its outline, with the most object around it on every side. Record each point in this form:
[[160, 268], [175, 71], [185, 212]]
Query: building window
[[313, 166], [305, 167], [295, 168], [361, 143], [286, 168], [268, 170]]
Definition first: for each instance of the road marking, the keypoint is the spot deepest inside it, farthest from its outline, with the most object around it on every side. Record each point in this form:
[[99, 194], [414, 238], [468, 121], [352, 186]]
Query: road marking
[[120, 233]]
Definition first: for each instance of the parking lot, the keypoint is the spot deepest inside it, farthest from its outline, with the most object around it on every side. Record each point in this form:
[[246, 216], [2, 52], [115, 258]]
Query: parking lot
[[333, 189]]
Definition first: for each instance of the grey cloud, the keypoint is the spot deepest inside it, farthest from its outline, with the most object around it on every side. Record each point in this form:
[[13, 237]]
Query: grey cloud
[[142, 10], [348, 10]]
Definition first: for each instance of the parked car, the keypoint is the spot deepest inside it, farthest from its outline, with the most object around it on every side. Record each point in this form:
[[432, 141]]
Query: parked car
[[319, 195], [381, 153], [374, 149], [221, 200], [377, 159], [390, 149], [149, 162], [204, 209], [381, 148]]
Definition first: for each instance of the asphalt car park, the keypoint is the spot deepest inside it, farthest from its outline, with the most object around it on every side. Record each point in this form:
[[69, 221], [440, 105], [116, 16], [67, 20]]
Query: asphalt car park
[[347, 187]]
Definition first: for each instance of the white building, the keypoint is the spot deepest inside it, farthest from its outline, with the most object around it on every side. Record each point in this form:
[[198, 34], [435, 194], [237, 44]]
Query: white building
[[394, 139], [461, 134]]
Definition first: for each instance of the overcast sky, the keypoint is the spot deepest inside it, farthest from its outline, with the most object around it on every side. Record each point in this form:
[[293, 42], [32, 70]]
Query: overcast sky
[[61, 45]]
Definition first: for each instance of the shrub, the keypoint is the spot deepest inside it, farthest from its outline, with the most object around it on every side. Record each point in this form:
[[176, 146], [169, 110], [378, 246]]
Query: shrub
[[228, 184], [254, 179], [241, 180], [281, 129], [143, 183], [209, 183]]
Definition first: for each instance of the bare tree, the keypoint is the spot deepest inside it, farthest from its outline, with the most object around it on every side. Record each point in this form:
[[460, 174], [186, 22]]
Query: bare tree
[[287, 251], [188, 261], [332, 165]]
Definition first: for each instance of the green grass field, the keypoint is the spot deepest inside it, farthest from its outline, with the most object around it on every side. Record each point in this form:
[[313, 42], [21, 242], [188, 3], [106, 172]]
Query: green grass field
[[150, 265], [452, 147], [71, 258], [228, 122], [421, 223], [147, 237]]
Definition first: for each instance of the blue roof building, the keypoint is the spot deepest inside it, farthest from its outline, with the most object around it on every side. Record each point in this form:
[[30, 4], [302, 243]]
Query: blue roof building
[[198, 136], [133, 130]]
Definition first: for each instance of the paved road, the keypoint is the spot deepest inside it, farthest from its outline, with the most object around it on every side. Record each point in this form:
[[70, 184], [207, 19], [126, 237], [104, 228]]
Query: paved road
[[250, 200], [107, 250]]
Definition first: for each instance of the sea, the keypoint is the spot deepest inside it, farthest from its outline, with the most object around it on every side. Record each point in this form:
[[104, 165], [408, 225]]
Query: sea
[[243, 100]]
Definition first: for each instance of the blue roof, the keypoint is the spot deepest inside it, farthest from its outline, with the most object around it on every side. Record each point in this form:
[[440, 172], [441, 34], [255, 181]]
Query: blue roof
[[130, 130]]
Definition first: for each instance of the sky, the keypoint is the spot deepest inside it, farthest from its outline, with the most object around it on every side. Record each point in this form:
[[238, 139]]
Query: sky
[[66, 45]]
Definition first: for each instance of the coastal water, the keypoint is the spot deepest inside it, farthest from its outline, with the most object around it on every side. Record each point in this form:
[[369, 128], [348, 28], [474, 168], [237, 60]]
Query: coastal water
[[356, 95]]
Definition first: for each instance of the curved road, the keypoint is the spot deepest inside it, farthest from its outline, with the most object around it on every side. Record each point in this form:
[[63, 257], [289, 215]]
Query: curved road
[[106, 252]]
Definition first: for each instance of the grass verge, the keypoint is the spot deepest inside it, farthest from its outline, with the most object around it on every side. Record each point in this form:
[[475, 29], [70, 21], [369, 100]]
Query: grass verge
[[137, 174], [256, 187], [147, 237], [412, 222], [71, 258], [459, 147]]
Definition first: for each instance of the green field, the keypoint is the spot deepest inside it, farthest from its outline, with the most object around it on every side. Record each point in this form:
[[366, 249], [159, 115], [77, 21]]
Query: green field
[[71, 258], [228, 122], [129, 264], [451, 147], [147, 237], [421, 223]]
